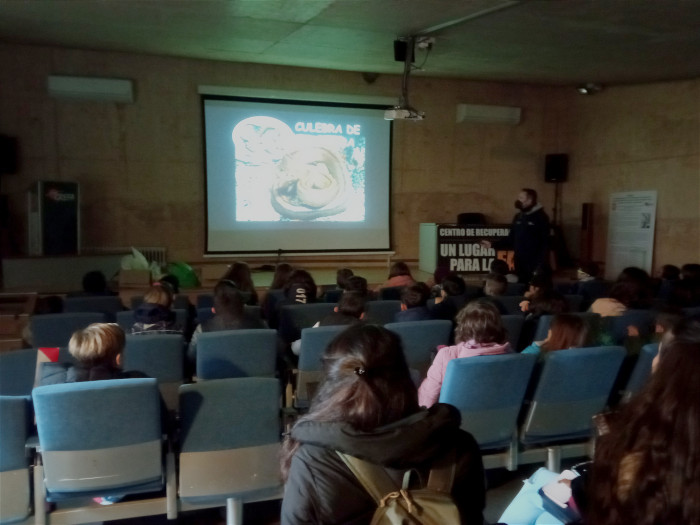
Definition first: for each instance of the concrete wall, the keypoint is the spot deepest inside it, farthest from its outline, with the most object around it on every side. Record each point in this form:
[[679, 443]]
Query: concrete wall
[[141, 171]]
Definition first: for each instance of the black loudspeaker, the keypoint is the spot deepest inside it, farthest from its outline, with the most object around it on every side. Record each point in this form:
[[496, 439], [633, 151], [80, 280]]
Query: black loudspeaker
[[471, 218], [556, 167], [401, 50], [8, 154]]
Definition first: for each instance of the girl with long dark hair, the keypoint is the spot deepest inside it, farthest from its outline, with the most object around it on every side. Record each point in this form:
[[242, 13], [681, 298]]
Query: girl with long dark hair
[[367, 407]]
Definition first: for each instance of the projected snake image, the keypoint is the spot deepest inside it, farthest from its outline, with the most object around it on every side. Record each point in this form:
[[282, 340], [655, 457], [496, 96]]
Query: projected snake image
[[311, 183]]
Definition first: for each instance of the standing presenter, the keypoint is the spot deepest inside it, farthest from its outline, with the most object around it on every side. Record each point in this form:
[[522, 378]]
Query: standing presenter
[[529, 236]]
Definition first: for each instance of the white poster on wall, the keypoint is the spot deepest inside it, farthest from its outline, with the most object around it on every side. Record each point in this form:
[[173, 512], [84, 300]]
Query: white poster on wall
[[631, 224]]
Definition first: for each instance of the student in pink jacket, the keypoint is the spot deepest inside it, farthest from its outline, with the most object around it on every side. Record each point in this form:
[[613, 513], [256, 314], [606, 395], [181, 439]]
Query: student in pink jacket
[[479, 332]]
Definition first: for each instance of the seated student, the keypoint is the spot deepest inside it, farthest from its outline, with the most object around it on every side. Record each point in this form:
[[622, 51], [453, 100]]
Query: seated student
[[495, 286], [154, 315], [413, 304], [341, 277], [358, 284], [239, 273], [647, 458], [632, 290], [548, 302], [349, 310], [399, 275], [300, 288], [452, 298], [279, 280], [687, 290], [435, 282], [565, 331], [501, 267], [367, 407], [479, 332], [98, 351], [94, 284], [229, 314], [332, 295]]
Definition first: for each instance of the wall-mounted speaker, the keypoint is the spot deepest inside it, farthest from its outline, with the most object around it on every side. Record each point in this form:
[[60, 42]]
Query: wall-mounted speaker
[[556, 167], [8, 154]]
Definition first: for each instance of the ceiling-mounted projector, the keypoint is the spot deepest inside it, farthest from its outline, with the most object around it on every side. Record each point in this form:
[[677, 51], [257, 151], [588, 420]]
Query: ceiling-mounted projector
[[404, 111], [401, 113]]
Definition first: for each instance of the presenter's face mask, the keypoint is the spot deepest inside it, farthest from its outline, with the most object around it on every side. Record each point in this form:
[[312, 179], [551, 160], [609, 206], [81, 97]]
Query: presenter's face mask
[[524, 201]]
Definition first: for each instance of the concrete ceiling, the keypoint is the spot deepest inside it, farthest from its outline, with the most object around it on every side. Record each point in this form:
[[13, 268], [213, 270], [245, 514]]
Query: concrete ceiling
[[559, 42]]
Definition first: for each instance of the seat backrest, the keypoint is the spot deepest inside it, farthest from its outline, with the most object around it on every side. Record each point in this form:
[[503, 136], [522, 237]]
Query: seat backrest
[[545, 321], [204, 313], [295, 317], [514, 325], [420, 340], [489, 392], [160, 356], [516, 289], [106, 304], [642, 370], [574, 302], [573, 386], [643, 320], [126, 320], [56, 329], [230, 437], [592, 290], [382, 312], [390, 293], [99, 435], [236, 353], [205, 300], [511, 303], [314, 342], [14, 464], [17, 371], [332, 296], [691, 311]]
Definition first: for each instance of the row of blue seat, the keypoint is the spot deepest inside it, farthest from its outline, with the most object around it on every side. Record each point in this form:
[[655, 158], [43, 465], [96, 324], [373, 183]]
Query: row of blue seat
[[114, 425], [104, 438], [565, 390]]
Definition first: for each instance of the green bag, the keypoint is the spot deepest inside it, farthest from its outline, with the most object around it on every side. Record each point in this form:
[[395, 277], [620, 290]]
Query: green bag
[[432, 505]]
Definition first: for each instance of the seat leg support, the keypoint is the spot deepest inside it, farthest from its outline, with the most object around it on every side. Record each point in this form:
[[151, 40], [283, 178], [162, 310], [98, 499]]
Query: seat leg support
[[234, 511]]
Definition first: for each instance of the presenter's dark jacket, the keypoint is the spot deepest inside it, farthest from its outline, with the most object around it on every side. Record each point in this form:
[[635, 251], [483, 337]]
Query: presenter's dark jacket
[[321, 488], [529, 238]]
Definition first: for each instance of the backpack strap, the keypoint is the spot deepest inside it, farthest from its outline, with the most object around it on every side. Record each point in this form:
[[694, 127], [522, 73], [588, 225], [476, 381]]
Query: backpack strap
[[375, 480], [442, 475]]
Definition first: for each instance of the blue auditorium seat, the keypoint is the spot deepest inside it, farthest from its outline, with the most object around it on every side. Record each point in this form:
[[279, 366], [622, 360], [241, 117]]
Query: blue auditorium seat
[[489, 392], [160, 356], [14, 464], [573, 386], [96, 439], [53, 330], [236, 353], [314, 342], [230, 444], [420, 340]]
